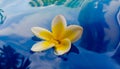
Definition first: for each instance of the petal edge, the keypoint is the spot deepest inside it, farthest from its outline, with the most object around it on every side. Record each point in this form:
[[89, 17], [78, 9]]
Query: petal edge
[[63, 48], [41, 46], [73, 33], [41, 33], [58, 26]]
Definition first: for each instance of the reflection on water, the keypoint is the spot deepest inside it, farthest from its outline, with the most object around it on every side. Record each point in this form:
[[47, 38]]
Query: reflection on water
[[99, 18], [98, 27], [10, 59]]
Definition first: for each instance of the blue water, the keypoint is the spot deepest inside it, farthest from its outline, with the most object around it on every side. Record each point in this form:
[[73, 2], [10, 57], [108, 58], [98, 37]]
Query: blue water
[[98, 47]]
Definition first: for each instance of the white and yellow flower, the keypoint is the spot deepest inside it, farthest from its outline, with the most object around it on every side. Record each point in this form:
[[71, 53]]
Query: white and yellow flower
[[60, 38]]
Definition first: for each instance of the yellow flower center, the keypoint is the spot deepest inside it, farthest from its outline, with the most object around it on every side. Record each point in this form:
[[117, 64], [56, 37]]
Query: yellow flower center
[[55, 41]]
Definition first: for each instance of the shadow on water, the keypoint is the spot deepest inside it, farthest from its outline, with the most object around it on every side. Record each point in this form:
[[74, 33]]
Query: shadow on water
[[10, 59], [34, 38], [73, 49]]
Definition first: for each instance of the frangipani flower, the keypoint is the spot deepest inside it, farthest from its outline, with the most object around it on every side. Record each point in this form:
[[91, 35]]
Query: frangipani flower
[[60, 38]]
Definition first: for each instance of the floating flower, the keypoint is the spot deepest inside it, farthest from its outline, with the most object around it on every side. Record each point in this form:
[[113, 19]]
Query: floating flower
[[60, 38]]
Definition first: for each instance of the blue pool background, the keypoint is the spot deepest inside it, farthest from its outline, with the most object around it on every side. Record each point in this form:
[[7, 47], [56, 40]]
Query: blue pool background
[[97, 49]]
